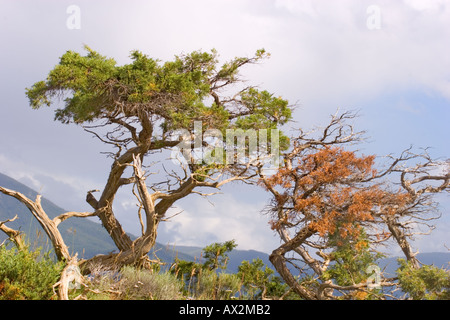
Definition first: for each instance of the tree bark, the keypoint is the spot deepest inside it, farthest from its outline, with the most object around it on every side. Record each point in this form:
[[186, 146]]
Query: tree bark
[[403, 243], [70, 276], [14, 235], [279, 262]]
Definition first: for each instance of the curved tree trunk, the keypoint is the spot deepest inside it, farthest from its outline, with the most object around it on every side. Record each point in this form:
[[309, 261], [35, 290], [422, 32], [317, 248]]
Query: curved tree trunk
[[279, 262], [103, 206], [131, 252], [402, 241]]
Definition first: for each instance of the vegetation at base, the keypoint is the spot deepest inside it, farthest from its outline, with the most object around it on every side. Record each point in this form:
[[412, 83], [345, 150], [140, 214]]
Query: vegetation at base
[[31, 275], [27, 275], [208, 281]]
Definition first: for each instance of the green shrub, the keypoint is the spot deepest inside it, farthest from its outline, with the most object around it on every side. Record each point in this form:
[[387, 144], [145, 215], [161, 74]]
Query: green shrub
[[259, 282], [425, 283], [27, 275]]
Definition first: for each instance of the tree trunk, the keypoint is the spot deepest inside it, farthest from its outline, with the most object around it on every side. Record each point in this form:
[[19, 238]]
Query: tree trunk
[[131, 252], [400, 237], [279, 262], [103, 206]]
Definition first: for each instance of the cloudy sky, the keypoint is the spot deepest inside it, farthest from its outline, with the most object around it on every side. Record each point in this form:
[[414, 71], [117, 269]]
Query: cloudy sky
[[388, 59]]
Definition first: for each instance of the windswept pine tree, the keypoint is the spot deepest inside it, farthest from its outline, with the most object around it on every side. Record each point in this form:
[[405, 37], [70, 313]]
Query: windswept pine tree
[[139, 109]]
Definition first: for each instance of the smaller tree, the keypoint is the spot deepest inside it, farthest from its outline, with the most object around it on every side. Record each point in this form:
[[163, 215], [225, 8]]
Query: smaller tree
[[353, 263], [424, 283], [216, 254], [204, 280], [260, 283]]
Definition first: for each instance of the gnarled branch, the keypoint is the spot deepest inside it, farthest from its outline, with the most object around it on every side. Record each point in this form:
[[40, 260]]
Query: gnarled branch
[[14, 235]]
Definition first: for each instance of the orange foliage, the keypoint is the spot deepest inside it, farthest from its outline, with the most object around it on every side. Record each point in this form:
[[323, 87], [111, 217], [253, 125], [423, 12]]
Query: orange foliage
[[327, 190]]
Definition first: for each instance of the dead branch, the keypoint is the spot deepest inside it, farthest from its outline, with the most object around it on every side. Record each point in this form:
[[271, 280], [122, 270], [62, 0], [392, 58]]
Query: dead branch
[[49, 226], [354, 287], [57, 220], [71, 278], [14, 235]]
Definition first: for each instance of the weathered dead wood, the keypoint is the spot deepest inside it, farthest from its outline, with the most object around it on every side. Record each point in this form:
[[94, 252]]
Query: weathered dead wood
[[50, 227], [14, 235], [71, 278]]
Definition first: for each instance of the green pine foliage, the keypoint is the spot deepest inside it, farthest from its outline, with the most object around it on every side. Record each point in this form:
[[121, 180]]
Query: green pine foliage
[[352, 258], [207, 280], [178, 92], [259, 282], [216, 255], [164, 97]]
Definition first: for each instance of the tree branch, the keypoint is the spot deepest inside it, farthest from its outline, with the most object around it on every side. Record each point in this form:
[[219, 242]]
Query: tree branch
[[57, 220], [46, 223], [14, 235]]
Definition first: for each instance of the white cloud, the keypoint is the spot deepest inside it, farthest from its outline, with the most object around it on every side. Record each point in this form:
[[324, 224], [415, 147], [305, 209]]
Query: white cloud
[[429, 5], [297, 7], [201, 223], [336, 58]]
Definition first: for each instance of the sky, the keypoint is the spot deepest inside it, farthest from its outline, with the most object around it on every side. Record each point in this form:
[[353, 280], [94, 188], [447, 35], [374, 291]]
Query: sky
[[388, 59]]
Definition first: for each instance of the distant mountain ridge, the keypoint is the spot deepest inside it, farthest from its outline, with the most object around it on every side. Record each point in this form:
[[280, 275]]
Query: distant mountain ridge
[[89, 238]]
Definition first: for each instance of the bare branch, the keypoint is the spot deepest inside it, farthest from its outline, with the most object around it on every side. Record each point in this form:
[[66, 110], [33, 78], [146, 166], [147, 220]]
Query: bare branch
[[14, 235], [57, 220], [46, 223]]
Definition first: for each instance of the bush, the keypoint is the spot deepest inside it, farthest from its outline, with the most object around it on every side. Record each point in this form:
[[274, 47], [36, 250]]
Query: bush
[[27, 275], [425, 283], [212, 285], [136, 284]]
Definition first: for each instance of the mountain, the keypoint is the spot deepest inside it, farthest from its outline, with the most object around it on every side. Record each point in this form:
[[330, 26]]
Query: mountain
[[89, 238], [438, 259]]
